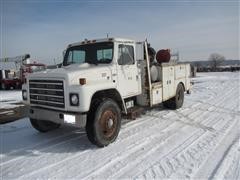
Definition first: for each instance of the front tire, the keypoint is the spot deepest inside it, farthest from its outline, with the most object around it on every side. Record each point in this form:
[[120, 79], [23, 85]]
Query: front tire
[[104, 122], [44, 126]]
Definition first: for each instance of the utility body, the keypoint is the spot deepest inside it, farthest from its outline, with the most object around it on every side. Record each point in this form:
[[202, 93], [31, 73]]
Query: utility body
[[99, 81]]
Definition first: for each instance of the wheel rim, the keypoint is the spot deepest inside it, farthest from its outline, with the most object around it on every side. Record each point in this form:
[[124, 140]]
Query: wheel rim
[[108, 123]]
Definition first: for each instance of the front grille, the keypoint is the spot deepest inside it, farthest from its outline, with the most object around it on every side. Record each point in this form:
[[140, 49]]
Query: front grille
[[47, 93]]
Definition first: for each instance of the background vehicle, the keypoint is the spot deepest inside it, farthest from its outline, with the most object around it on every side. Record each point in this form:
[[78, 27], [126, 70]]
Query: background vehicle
[[101, 80], [15, 78]]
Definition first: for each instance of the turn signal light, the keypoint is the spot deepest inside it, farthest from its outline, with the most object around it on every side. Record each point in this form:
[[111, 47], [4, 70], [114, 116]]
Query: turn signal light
[[82, 81]]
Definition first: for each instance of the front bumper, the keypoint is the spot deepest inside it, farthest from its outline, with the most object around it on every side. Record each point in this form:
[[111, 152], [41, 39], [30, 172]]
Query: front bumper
[[76, 119]]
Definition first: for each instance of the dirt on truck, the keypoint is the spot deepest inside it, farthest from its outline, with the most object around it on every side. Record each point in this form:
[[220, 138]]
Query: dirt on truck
[[99, 82]]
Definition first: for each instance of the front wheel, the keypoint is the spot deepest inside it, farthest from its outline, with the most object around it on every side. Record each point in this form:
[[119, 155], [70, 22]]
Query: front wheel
[[104, 122], [44, 126]]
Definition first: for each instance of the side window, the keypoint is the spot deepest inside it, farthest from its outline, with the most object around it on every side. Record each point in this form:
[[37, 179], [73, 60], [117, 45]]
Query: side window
[[125, 55]]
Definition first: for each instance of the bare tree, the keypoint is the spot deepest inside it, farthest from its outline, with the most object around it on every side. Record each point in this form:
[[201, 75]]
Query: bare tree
[[216, 60]]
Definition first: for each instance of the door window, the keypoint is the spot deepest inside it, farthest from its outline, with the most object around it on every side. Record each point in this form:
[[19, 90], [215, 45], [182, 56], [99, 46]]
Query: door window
[[125, 55]]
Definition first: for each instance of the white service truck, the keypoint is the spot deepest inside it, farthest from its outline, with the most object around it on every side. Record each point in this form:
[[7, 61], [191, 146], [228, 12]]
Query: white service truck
[[99, 81]]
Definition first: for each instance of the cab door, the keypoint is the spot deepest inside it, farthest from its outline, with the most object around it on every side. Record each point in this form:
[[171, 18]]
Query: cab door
[[129, 80]]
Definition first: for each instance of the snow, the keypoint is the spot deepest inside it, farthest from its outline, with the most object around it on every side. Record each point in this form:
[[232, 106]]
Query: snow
[[10, 98], [200, 140]]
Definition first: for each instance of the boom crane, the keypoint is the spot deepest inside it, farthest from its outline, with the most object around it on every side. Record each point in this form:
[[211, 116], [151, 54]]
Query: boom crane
[[23, 67], [18, 60]]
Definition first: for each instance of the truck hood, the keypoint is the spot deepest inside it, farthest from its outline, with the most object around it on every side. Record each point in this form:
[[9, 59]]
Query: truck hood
[[72, 73]]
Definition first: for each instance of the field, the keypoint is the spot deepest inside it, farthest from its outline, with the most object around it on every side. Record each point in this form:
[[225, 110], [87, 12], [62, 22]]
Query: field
[[200, 140]]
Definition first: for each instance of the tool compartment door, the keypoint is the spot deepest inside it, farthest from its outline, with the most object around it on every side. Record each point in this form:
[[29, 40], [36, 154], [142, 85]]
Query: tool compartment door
[[165, 77], [157, 93], [168, 82], [171, 83]]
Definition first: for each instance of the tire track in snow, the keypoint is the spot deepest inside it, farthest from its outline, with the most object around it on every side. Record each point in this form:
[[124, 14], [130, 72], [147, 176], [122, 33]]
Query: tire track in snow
[[172, 156], [37, 161], [131, 143], [98, 173], [18, 155], [192, 156], [41, 146], [152, 123], [215, 158], [131, 169], [213, 174], [7, 168], [196, 115]]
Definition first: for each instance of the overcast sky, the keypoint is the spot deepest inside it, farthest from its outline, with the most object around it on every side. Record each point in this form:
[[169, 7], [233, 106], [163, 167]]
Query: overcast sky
[[194, 28]]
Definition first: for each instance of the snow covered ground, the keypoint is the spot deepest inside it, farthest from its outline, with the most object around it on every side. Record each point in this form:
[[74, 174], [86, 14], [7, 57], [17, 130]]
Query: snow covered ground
[[11, 107], [10, 98], [200, 140]]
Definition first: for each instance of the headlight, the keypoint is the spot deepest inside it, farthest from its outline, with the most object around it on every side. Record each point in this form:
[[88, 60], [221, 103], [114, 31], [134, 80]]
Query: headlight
[[24, 95], [74, 99]]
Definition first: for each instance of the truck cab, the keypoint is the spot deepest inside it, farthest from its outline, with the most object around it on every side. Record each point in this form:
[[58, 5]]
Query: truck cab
[[99, 81]]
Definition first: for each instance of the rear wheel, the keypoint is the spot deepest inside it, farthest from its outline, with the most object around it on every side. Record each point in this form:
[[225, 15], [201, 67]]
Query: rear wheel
[[44, 126], [177, 101], [104, 122]]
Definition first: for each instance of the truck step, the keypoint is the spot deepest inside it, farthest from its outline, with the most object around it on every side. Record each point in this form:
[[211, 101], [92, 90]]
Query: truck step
[[134, 112]]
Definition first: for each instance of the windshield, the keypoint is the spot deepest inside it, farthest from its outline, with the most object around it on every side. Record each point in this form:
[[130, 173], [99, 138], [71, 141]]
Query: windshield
[[89, 53]]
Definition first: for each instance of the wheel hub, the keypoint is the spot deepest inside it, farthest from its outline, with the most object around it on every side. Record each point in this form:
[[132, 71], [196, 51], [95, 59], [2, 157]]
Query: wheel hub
[[108, 122]]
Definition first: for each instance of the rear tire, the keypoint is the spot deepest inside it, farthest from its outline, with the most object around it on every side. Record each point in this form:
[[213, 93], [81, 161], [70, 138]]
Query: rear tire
[[104, 122], [177, 101], [44, 126]]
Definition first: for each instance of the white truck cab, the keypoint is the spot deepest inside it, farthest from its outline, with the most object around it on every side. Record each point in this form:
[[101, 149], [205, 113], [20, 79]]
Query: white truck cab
[[98, 82]]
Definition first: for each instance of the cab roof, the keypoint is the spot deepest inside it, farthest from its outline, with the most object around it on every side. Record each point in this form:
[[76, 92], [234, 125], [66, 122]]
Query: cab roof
[[87, 41]]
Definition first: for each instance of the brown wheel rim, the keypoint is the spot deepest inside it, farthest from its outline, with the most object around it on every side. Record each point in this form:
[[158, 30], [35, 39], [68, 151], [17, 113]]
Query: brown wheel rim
[[108, 123]]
